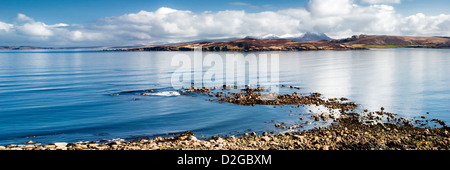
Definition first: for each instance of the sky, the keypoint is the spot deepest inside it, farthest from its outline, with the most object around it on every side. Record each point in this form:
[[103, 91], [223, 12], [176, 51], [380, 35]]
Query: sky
[[70, 23]]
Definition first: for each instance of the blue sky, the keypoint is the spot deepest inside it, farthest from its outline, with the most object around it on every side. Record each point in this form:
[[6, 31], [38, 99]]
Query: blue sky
[[76, 22], [82, 11], [79, 11]]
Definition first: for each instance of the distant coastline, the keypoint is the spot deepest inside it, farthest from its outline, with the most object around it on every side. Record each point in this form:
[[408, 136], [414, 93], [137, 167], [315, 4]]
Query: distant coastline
[[357, 42], [24, 48]]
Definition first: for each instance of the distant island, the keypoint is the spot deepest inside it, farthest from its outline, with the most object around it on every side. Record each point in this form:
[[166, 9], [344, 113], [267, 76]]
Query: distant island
[[357, 42], [22, 48], [65, 48]]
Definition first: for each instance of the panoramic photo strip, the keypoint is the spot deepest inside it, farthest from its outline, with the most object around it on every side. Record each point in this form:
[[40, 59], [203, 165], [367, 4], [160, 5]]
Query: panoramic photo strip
[[228, 75]]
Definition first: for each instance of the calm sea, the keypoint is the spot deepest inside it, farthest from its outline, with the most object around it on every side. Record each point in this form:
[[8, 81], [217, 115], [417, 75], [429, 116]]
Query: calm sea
[[72, 96]]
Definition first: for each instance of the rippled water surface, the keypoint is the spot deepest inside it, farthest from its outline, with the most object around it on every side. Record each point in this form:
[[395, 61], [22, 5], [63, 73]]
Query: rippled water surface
[[50, 96]]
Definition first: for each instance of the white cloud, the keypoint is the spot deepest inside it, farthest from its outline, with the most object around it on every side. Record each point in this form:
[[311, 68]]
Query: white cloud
[[5, 27], [427, 25], [26, 31], [23, 17], [250, 5], [59, 25], [174, 25], [329, 8], [337, 18], [381, 1], [35, 29]]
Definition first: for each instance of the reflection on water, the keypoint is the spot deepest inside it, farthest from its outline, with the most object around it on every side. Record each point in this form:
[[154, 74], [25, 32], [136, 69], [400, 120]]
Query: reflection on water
[[405, 81], [66, 96]]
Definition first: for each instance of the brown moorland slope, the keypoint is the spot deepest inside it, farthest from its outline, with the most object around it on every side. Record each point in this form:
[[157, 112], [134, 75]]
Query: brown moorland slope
[[395, 41]]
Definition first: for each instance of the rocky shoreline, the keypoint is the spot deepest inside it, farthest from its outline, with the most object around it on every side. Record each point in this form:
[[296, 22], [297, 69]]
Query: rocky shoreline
[[377, 130], [349, 134]]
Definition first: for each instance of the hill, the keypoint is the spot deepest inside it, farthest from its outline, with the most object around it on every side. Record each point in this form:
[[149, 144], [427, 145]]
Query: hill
[[375, 41], [311, 37], [308, 36]]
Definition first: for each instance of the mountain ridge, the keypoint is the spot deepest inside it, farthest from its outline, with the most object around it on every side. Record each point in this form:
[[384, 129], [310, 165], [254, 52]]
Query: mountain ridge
[[308, 36]]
